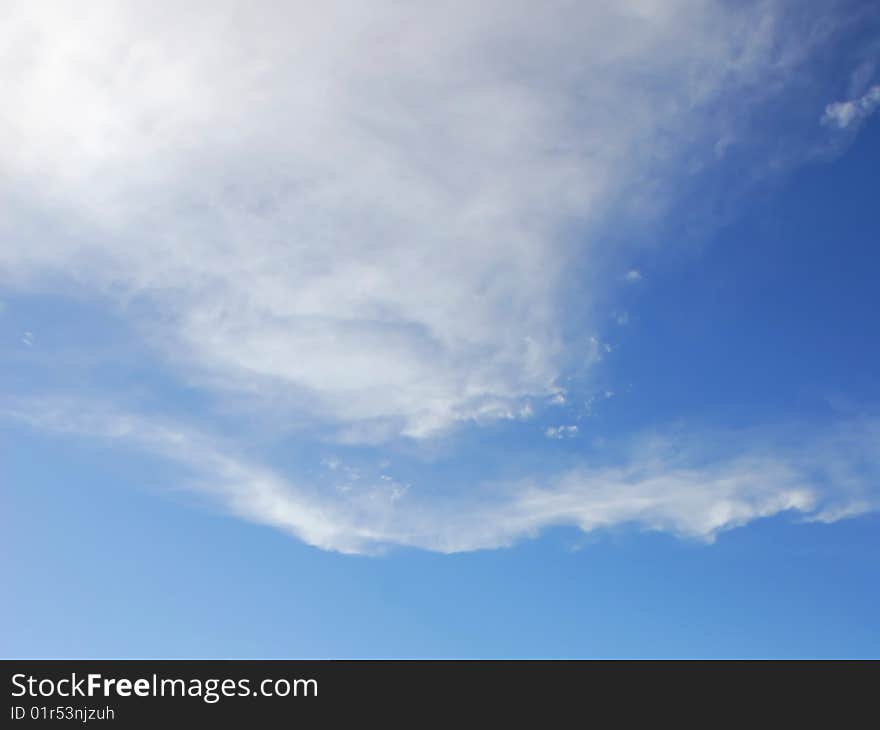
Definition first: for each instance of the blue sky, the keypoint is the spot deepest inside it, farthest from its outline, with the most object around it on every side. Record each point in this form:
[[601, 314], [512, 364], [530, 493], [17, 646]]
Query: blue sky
[[441, 331]]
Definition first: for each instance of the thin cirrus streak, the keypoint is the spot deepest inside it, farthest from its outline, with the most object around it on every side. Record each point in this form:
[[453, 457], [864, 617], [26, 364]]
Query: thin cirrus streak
[[663, 482]]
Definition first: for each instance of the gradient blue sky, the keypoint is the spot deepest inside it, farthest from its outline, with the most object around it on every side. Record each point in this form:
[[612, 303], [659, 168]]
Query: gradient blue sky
[[440, 331]]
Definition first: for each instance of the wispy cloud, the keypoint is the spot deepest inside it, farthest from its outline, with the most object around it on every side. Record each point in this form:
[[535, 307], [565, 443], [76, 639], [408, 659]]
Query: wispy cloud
[[561, 432], [845, 114], [362, 214], [687, 486]]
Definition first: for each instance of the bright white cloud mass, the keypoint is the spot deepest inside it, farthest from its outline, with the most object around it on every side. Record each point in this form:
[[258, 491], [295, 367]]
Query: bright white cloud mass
[[363, 217]]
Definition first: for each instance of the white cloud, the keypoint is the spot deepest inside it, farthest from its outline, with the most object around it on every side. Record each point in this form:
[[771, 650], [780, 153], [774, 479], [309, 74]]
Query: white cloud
[[844, 114], [27, 339], [561, 432], [363, 215], [666, 483], [357, 212]]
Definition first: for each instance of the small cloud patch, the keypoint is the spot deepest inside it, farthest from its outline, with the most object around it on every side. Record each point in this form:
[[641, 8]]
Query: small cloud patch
[[561, 432], [845, 114]]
